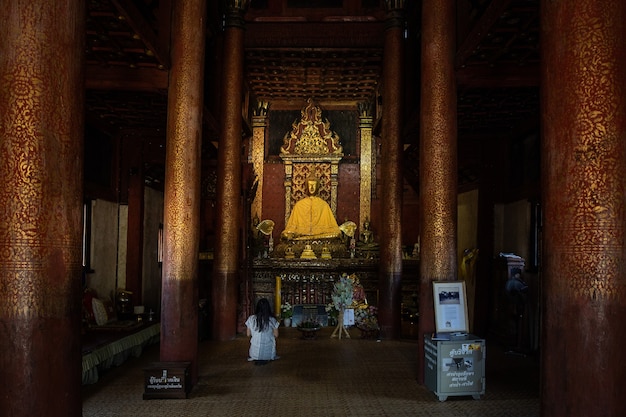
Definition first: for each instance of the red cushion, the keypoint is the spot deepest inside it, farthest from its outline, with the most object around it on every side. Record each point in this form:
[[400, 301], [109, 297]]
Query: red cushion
[[88, 314]]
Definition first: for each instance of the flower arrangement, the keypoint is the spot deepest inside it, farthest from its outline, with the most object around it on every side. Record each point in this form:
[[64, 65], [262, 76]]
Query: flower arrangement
[[366, 318], [286, 310], [342, 293], [331, 310]]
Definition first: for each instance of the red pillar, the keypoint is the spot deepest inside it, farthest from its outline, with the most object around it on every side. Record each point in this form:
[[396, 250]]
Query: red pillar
[[583, 181], [390, 267], [181, 226], [438, 159], [227, 231], [41, 153]]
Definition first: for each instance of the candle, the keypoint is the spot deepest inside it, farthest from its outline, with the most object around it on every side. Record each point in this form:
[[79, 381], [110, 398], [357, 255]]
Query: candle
[[277, 301]]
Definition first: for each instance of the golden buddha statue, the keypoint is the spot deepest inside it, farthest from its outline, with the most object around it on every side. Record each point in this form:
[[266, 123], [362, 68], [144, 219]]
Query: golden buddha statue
[[311, 218]]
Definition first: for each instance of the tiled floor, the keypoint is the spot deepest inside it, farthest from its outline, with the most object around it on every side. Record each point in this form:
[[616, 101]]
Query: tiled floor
[[322, 377]]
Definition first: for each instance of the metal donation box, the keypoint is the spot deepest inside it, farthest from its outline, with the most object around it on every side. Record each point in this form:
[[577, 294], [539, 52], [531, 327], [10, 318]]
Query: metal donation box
[[455, 365]]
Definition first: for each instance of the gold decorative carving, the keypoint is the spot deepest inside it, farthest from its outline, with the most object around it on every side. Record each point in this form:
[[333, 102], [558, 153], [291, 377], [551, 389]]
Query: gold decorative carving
[[311, 136], [304, 171], [311, 149], [366, 168], [39, 246], [257, 159], [22, 279], [594, 204]]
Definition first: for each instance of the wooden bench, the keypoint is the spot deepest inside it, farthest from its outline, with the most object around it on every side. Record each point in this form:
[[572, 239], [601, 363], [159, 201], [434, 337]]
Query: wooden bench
[[104, 347]]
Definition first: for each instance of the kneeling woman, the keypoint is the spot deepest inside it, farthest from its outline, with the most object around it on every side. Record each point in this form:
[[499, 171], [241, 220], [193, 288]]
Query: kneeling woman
[[262, 328]]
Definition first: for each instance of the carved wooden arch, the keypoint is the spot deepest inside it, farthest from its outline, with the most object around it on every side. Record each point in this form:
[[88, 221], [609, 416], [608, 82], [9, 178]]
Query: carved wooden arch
[[311, 149]]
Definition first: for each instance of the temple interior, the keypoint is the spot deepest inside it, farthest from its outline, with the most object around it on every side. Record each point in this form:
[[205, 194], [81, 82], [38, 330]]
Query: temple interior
[[313, 105], [245, 149]]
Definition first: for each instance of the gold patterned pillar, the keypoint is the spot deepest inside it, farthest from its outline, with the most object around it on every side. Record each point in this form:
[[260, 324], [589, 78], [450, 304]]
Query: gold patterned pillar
[[257, 157], [41, 155], [288, 188], [227, 232], [334, 183], [390, 267], [366, 157], [438, 158], [181, 212], [583, 181]]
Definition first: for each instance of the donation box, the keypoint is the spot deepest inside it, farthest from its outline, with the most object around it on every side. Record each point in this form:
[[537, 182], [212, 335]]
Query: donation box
[[454, 365]]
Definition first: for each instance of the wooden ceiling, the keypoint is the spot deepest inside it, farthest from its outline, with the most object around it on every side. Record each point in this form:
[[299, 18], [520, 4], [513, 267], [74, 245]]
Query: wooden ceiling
[[331, 50], [329, 75]]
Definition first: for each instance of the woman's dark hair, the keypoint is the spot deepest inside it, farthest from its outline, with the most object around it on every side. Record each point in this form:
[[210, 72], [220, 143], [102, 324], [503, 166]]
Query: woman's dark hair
[[263, 313]]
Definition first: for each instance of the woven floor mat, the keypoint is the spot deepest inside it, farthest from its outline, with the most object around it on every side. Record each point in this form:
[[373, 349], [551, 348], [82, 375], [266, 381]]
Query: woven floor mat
[[322, 377]]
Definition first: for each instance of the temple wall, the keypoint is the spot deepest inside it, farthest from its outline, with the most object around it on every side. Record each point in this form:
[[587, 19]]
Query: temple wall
[[348, 194], [274, 195], [151, 280], [105, 242]]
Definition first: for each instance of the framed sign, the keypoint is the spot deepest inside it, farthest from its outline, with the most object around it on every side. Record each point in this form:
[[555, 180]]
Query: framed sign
[[450, 306], [348, 317]]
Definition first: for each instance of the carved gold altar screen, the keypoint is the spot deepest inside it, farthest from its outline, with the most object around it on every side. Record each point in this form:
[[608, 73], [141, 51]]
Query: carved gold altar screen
[[311, 149]]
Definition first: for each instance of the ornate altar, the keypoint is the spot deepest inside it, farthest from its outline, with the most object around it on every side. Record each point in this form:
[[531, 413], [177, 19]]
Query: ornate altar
[[303, 271], [311, 149], [309, 281]]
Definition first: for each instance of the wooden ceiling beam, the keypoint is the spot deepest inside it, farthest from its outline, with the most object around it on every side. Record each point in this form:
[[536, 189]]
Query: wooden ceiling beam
[[480, 30], [124, 78], [142, 28], [315, 35]]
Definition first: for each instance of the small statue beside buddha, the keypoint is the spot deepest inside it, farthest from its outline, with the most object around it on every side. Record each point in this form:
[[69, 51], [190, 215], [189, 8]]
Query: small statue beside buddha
[[359, 300], [367, 236], [262, 241], [367, 246]]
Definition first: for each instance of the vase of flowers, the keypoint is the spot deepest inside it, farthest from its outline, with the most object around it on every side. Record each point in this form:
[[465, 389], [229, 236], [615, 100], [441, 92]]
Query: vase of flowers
[[332, 313], [286, 312]]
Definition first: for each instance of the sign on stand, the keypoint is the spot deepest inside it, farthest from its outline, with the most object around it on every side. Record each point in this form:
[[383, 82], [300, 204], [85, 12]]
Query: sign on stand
[[167, 380]]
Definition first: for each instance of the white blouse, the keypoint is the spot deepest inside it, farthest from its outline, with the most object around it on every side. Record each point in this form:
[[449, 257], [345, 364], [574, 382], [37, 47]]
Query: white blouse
[[262, 344]]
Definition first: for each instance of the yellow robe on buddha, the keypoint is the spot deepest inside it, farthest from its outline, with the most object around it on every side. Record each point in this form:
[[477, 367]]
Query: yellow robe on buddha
[[311, 218]]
